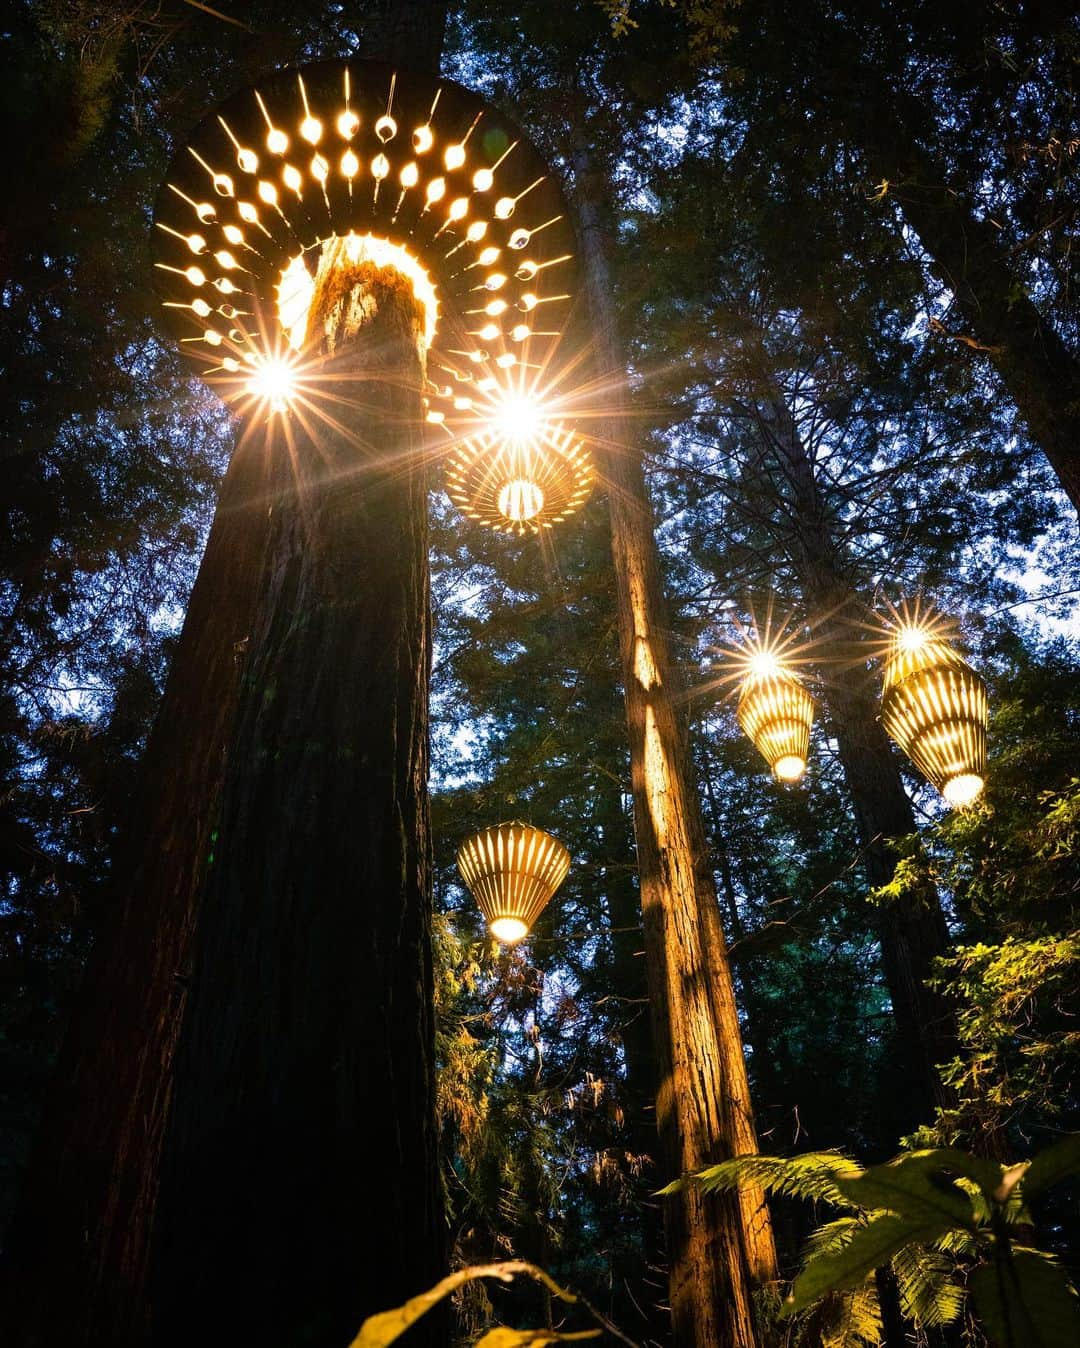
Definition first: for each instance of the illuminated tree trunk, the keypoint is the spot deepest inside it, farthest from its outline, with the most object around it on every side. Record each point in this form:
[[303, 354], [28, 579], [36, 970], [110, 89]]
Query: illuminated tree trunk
[[911, 928], [719, 1247], [243, 1142]]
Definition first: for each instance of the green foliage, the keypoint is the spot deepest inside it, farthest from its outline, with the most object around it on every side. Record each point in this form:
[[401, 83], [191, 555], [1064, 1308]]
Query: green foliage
[[942, 1221]]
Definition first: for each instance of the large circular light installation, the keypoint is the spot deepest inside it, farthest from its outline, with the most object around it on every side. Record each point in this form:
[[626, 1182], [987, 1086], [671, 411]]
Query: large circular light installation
[[416, 169], [934, 706], [776, 712], [512, 871]]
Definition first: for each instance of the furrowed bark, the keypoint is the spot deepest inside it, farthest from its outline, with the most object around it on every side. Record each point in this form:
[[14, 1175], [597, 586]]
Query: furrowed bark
[[251, 1077], [718, 1246]]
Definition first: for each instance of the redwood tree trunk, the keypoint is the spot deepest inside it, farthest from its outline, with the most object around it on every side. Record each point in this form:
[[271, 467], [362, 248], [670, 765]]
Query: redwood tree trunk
[[718, 1246], [247, 1119]]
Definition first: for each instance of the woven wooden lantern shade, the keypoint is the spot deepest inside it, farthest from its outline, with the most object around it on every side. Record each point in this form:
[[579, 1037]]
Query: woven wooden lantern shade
[[520, 486], [934, 706], [512, 871], [776, 712]]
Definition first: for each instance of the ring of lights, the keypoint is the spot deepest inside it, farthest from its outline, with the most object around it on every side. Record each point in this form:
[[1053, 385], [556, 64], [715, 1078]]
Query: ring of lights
[[346, 147]]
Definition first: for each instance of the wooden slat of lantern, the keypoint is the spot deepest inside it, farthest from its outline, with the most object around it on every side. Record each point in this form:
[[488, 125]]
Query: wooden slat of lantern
[[776, 712], [934, 706], [512, 871]]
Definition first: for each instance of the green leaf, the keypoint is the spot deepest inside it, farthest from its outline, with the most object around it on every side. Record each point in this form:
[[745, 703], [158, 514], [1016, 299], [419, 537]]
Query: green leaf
[[1052, 1166], [919, 1187], [1026, 1302], [811, 1176], [871, 1246], [379, 1330]]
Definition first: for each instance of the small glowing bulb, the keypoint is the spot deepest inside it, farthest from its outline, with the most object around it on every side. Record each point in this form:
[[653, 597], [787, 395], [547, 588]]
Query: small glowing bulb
[[277, 142], [248, 161], [963, 789], [225, 259], [223, 184], [488, 256], [519, 238], [212, 337], [509, 930], [350, 165], [482, 180], [196, 243], [320, 169], [380, 167], [272, 380], [231, 363], [494, 308], [520, 332], [311, 130], [528, 301], [790, 768], [496, 280], [422, 139], [526, 271], [224, 285], [436, 189], [410, 175], [911, 638], [504, 208], [201, 308], [348, 123], [506, 361], [489, 332], [454, 156], [268, 192], [386, 128], [206, 211], [293, 178], [459, 208], [764, 664], [233, 234], [195, 275], [248, 213], [476, 231]]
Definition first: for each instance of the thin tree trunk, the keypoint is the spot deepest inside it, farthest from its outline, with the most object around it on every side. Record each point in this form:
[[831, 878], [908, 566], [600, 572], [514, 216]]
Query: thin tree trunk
[[911, 929], [718, 1247], [259, 1027]]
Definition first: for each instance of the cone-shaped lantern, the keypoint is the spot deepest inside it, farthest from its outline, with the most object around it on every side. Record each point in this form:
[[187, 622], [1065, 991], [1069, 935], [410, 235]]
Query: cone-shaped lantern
[[934, 706], [521, 475], [776, 712], [512, 871]]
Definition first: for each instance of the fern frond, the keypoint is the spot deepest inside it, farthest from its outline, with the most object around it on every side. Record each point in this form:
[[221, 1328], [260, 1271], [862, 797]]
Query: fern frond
[[842, 1320], [810, 1176], [929, 1295], [829, 1237]]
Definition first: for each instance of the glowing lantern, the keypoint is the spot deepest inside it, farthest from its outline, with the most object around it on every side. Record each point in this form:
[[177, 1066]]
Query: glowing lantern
[[776, 712], [520, 472], [934, 706], [364, 182], [512, 871]]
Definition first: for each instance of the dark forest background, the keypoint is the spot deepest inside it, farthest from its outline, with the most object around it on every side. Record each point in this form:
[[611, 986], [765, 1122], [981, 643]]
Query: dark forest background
[[846, 274]]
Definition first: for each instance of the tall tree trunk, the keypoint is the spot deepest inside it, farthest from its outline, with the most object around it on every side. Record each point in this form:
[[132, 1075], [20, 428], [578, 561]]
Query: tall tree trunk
[[1040, 372], [718, 1247], [911, 929], [256, 1048]]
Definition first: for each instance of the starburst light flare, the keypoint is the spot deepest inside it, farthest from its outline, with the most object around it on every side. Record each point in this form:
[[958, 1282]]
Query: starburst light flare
[[934, 706], [512, 871]]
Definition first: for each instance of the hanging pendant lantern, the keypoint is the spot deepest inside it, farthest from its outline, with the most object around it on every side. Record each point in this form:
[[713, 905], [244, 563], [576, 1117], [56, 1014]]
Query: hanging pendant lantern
[[934, 706], [512, 871], [776, 712], [520, 484]]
